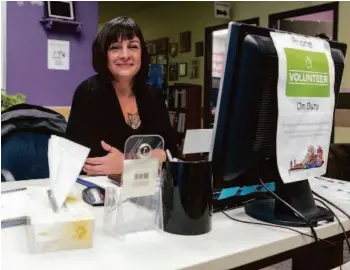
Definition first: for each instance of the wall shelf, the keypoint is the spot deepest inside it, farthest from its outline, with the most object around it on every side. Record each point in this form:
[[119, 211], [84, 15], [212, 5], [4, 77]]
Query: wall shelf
[[53, 24]]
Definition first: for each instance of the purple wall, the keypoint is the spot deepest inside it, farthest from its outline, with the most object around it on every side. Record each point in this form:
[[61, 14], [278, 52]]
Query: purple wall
[[27, 70]]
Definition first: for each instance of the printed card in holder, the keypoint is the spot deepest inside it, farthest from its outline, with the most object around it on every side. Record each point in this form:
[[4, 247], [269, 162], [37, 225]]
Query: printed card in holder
[[141, 164], [137, 204], [140, 177]]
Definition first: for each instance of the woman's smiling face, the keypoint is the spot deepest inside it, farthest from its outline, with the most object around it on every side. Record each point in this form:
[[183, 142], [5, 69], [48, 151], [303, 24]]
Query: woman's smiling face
[[124, 58]]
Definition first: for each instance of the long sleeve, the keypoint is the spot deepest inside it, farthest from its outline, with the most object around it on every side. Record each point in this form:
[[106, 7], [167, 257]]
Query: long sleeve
[[82, 125]]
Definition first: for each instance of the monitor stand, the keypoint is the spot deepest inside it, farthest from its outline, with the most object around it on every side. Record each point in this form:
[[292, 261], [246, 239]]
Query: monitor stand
[[298, 195]]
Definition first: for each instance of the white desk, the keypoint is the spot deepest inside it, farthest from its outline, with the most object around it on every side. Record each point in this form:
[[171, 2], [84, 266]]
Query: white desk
[[230, 244], [345, 266]]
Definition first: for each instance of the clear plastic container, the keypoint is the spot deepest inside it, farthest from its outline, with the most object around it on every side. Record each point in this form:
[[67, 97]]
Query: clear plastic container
[[136, 205]]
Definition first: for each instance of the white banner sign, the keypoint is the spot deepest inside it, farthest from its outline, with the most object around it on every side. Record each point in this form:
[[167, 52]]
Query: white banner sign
[[305, 105]]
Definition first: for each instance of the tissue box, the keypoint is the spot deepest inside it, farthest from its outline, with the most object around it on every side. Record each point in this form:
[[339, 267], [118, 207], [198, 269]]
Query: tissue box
[[71, 228]]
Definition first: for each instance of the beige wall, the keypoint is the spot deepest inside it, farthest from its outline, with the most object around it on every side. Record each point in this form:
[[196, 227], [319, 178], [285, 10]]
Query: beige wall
[[65, 111], [342, 135], [342, 126], [171, 18]]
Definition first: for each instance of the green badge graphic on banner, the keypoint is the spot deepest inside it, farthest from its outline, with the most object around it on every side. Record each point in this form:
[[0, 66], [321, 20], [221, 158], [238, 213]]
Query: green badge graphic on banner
[[307, 74]]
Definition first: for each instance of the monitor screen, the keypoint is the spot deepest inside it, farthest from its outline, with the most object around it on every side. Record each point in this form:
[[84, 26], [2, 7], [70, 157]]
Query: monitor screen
[[61, 9]]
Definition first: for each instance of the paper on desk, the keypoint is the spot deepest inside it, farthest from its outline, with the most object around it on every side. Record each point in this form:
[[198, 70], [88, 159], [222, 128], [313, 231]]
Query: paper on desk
[[14, 205], [197, 141], [66, 160], [334, 188]]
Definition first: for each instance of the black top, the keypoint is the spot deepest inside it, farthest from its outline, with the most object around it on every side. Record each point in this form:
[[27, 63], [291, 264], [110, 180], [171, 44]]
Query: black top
[[96, 115]]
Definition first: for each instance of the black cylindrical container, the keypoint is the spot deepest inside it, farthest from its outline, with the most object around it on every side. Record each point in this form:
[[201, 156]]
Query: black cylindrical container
[[187, 197]]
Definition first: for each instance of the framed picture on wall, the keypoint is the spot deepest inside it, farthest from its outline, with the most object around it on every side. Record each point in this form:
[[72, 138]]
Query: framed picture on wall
[[153, 59], [185, 42], [173, 49], [161, 59], [199, 48], [194, 69], [173, 72], [183, 69], [60, 10], [151, 48]]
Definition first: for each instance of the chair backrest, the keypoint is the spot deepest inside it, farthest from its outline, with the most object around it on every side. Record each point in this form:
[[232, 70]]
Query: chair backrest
[[25, 155], [338, 166], [25, 132]]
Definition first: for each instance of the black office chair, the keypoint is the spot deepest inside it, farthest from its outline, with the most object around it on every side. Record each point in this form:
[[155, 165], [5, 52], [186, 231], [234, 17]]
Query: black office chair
[[339, 161], [25, 132]]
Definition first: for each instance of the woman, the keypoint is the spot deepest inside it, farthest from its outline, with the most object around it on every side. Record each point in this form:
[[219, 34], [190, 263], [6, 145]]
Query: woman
[[116, 103]]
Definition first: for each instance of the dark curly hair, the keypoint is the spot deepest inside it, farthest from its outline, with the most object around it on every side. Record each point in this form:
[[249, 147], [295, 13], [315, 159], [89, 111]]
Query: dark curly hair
[[124, 28]]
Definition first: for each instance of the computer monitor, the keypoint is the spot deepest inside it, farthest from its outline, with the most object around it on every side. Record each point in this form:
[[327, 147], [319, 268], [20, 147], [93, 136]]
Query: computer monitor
[[244, 133]]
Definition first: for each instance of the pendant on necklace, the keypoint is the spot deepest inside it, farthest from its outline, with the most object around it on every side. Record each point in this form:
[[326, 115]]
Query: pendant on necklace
[[133, 120]]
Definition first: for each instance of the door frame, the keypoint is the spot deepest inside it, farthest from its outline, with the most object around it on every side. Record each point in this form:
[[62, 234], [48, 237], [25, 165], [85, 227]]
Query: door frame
[[208, 47], [334, 6]]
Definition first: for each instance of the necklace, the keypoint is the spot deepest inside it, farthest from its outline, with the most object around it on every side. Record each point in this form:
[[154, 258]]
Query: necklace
[[133, 120]]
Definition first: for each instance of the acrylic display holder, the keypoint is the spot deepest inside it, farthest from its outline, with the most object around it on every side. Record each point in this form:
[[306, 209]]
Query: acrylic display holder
[[136, 205]]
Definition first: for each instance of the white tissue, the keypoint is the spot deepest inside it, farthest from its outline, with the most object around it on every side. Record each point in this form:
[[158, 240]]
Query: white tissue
[[66, 160], [54, 158]]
